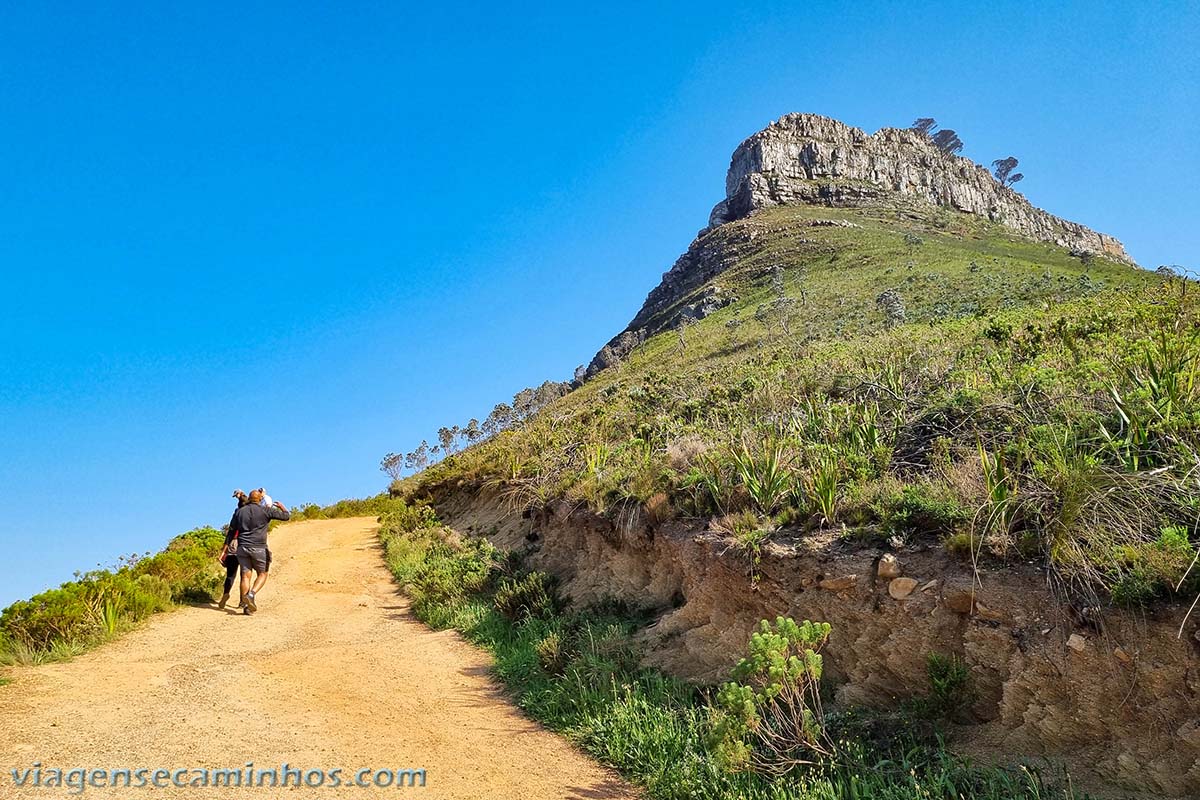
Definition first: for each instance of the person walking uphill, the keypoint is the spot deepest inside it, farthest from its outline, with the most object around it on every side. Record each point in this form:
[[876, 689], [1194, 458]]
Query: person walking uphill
[[251, 521], [229, 551]]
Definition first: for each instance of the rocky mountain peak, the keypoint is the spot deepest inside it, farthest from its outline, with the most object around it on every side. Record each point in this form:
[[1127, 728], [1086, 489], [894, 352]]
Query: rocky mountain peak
[[807, 158]]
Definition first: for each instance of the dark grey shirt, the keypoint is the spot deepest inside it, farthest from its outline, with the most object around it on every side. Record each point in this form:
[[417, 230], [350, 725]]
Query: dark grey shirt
[[251, 521]]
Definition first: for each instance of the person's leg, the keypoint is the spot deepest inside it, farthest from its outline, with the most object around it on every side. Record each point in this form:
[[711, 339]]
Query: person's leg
[[260, 580], [258, 562], [231, 571], [245, 583], [231, 568]]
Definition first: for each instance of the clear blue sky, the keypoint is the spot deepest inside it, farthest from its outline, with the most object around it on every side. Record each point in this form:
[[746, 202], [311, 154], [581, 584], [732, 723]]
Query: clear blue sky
[[244, 246]]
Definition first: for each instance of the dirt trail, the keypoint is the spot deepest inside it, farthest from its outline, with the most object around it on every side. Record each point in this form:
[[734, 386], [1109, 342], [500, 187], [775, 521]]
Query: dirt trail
[[333, 672]]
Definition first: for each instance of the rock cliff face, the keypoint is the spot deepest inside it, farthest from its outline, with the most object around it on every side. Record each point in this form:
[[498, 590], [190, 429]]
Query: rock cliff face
[[814, 160], [805, 158]]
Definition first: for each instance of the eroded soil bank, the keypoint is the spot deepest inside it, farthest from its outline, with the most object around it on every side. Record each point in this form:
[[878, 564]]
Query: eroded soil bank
[[1118, 700]]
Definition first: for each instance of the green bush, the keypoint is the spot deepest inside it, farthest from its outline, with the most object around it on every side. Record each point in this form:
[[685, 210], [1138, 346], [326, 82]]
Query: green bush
[[552, 654], [949, 685], [99, 604], [533, 595], [1152, 571], [917, 511], [375, 506], [768, 718]]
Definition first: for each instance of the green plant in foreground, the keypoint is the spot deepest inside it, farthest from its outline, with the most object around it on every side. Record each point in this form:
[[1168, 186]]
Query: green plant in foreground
[[552, 654], [749, 535], [1001, 487], [110, 616], [1154, 569], [768, 717], [918, 511]]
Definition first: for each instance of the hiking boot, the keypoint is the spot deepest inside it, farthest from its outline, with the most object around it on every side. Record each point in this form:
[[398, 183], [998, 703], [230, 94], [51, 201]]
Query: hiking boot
[[224, 600], [251, 606], [247, 612]]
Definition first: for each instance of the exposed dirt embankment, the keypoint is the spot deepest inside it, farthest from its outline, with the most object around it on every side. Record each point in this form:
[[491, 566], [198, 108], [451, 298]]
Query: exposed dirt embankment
[[1118, 701]]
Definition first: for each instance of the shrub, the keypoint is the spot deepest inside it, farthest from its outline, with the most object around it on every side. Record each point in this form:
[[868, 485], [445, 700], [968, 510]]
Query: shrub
[[768, 718], [99, 604], [453, 569], [551, 653], [916, 510], [436, 565], [1150, 571], [826, 487], [605, 654], [375, 506], [949, 685], [961, 544], [766, 474], [408, 518], [533, 596]]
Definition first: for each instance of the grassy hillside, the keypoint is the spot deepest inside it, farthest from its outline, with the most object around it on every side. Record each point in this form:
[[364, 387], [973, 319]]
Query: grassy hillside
[[920, 374]]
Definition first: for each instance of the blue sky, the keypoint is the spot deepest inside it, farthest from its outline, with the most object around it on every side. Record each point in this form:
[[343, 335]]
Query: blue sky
[[244, 246]]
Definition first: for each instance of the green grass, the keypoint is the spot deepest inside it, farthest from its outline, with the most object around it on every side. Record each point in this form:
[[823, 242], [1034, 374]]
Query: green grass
[[1044, 408], [577, 671]]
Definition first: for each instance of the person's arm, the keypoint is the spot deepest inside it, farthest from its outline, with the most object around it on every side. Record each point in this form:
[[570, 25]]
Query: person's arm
[[279, 511], [232, 531]]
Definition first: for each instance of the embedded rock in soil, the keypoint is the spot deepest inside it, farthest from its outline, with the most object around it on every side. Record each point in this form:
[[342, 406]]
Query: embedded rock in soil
[[839, 584], [889, 567]]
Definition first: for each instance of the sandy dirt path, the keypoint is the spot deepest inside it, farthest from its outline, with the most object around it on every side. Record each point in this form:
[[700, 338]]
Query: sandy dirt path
[[333, 672]]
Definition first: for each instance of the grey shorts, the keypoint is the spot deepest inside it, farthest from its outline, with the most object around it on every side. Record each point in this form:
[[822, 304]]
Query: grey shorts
[[255, 558]]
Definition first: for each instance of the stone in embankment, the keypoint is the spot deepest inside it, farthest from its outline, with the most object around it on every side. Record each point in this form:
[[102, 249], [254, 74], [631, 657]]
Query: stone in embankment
[[889, 567]]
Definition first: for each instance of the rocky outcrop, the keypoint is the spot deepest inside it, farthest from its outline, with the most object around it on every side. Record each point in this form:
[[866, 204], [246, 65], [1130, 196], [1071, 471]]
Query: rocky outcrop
[[809, 159], [1118, 702], [806, 158]]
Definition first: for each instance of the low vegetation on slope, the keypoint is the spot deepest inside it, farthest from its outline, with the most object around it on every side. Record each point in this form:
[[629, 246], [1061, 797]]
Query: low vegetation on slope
[[916, 374], [98, 605], [761, 737]]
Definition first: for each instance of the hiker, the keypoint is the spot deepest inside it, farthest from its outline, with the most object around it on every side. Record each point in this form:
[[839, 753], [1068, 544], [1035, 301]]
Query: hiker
[[251, 521], [229, 550]]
